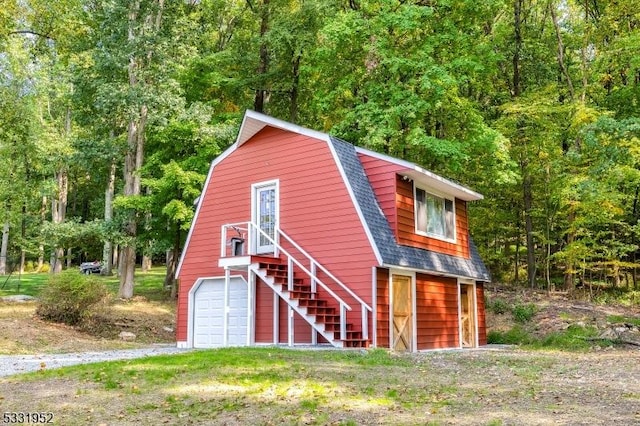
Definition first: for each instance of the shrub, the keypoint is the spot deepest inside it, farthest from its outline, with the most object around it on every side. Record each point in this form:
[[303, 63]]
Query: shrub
[[71, 298], [45, 267], [516, 336], [574, 338], [523, 313], [497, 306]]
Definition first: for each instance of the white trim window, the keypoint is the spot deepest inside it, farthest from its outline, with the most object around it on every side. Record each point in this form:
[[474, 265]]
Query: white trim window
[[435, 215]]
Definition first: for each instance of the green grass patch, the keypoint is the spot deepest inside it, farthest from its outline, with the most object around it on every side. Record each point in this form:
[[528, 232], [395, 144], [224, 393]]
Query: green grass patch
[[616, 296], [618, 319], [292, 383], [147, 284], [29, 283], [574, 338]]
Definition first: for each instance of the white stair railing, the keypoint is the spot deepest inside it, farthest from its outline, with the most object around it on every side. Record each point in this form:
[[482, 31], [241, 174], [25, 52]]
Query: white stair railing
[[249, 231]]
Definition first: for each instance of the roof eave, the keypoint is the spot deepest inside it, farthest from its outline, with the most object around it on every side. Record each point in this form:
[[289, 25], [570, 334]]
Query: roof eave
[[428, 178], [253, 122]]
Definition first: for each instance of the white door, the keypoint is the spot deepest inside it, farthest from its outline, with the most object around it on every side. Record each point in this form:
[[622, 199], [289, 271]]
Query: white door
[[208, 313], [265, 216]]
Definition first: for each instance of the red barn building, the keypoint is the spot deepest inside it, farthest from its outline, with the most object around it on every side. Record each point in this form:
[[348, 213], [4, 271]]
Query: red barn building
[[301, 238]]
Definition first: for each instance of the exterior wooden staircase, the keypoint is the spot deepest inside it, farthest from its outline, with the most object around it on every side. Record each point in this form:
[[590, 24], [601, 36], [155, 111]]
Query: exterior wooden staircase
[[316, 311]]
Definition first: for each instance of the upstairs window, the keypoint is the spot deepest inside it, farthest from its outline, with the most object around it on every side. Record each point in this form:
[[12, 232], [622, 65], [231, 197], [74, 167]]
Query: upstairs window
[[435, 216]]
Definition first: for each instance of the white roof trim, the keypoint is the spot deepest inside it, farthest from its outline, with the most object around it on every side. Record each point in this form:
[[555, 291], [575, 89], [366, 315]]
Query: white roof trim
[[253, 122], [426, 178]]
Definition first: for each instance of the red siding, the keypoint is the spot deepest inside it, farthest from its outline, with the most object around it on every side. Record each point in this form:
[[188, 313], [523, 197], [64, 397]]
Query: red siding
[[264, 313], [382, 308], [395, 197], [482, 324], [406, 224], [382, 176], [301, 329], [315, 210], [437, 312]]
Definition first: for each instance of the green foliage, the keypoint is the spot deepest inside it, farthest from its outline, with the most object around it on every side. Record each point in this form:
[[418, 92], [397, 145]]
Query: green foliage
[[522, 313], [622, 319], [497, 306], [515, 336], [615, 296], [433, 83], [71, 298], [574, 338]]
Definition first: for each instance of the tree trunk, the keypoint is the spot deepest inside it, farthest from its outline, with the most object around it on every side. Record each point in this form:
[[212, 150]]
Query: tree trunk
[[4, 249], [131, 170], [517, 20], [561, 64], [569, 266], [135, 149], [516, 277], [293, 107], [172, 264], [23, 234], [115, 262], [59, 204], [263, 67], [146, 263], [43, 212], [528, 227], [107, 258], [58, 213], [131, 188]]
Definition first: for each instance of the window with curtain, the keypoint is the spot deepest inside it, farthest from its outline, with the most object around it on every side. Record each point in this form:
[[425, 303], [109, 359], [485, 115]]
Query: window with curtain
[[435, 216]]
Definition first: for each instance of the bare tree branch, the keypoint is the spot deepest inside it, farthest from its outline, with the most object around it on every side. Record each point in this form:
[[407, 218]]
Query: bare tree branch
[[47, 36]]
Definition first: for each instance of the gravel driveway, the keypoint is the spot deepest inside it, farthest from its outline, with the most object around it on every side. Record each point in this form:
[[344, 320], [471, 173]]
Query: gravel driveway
[[16, 364]]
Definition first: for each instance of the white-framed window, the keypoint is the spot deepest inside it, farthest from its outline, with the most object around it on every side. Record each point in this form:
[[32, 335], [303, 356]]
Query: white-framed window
[[435, 215]]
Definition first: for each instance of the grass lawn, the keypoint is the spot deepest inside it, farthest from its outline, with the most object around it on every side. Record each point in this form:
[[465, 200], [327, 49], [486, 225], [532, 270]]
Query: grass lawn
[[148, 284], [273, 386]]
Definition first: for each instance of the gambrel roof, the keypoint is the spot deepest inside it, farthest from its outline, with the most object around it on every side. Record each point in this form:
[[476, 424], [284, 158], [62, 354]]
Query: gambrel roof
[[388, 252], [392, 253]]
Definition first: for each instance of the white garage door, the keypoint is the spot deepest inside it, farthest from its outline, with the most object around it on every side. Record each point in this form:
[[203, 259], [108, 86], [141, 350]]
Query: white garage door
[[208, 313]]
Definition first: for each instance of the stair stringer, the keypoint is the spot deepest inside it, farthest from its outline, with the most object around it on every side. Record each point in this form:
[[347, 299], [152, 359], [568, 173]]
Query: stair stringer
[[293, 303]]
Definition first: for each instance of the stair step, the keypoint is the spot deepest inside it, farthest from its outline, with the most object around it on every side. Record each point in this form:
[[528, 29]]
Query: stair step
[[285, 280], [272, 266], [321, 310], [327, 319], [282, 273], [312, 302], [317, 310], [353, 335], [297, 294], [335, 327]]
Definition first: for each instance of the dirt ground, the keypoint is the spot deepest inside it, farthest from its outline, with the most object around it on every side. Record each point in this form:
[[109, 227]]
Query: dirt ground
[[484, 387], [21, 332], [501, 386], [555, 312]]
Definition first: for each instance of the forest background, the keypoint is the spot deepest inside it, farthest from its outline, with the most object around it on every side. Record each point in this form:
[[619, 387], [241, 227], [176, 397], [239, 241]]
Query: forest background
[[112, 110]]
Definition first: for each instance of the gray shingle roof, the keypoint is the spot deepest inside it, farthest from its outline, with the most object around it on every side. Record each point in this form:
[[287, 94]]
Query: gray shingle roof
[[391, 252]]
